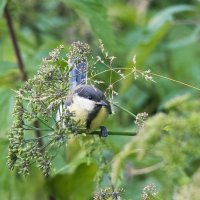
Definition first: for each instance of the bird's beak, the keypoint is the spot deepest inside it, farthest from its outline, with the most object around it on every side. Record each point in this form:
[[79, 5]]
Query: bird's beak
[[101, 103]]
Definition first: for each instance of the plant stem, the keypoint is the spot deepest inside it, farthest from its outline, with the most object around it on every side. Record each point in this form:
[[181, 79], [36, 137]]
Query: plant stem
[[38, 119], [119, 133], [173, 80], [124, 109], [142, 171], [15, 45], [38, 133], [28, 127], [38, 129]]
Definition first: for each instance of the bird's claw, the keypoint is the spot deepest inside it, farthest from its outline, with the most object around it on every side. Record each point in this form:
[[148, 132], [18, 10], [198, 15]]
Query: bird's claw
[[104, 131]]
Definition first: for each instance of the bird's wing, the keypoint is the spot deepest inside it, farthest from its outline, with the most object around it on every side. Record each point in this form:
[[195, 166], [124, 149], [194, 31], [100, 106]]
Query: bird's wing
[[61, 111]]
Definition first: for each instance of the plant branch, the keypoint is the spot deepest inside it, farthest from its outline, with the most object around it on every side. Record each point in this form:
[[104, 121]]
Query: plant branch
[[38, 119], [15, 45], [173, 80], [119, 133], [38, 133], [124, 109], [133, 171]]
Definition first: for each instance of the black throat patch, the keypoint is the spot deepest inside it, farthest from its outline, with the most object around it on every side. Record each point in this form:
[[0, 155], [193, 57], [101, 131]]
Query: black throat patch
[[92, 115]]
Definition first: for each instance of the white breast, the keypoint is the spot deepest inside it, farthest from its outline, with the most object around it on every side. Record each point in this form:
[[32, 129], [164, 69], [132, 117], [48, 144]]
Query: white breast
[[81, 107]]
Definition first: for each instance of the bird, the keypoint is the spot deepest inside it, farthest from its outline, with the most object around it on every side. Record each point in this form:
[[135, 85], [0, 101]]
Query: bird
[[87, 103], [89, 107]]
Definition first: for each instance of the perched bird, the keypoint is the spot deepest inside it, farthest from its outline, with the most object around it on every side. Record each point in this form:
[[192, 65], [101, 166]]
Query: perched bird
[[89, 106], [87, 103]]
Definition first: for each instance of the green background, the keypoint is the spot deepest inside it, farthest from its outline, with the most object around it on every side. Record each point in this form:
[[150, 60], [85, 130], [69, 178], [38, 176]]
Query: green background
[[165, 37]]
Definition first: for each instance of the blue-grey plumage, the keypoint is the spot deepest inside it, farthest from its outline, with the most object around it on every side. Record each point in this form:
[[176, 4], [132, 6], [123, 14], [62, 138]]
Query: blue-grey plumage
[[78, 72]]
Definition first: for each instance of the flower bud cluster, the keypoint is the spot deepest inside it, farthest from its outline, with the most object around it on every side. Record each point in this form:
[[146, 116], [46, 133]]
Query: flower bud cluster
[[16, 135]]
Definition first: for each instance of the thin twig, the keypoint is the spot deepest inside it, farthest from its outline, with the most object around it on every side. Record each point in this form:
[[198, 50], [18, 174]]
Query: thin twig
[[38, 119], [113, 133], [173, 80], [35, 139], [133, 171], [124, 109], [28, 127], [15, 45], [38, 129]]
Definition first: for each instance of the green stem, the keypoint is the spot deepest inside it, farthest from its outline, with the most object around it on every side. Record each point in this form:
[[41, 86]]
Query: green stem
[[35, 139], [15, 43], [38, 129], [173, 80], [124, 109], [119, 133], [44, 123]]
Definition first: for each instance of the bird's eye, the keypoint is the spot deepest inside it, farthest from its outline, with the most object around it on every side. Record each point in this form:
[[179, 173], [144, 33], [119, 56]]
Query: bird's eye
[[90, 97]]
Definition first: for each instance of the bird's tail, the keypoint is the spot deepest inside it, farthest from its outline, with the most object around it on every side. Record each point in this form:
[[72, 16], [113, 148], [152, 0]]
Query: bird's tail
[[78, 64], [78, 73]]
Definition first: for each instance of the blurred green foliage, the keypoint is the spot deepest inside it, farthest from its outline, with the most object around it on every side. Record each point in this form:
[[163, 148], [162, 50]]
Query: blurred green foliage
[[165, 36]]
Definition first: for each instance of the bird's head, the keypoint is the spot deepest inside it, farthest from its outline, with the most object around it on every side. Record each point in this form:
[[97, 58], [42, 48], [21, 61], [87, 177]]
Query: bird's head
[[90, 98]]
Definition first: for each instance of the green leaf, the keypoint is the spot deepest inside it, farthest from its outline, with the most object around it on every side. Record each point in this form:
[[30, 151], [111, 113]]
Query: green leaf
[[6, 177], [185, 41], [6, 106], [145, 48], [2, 6], [10, 78], [168, 15], [75, 186], [159, 25], [96, 13]]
